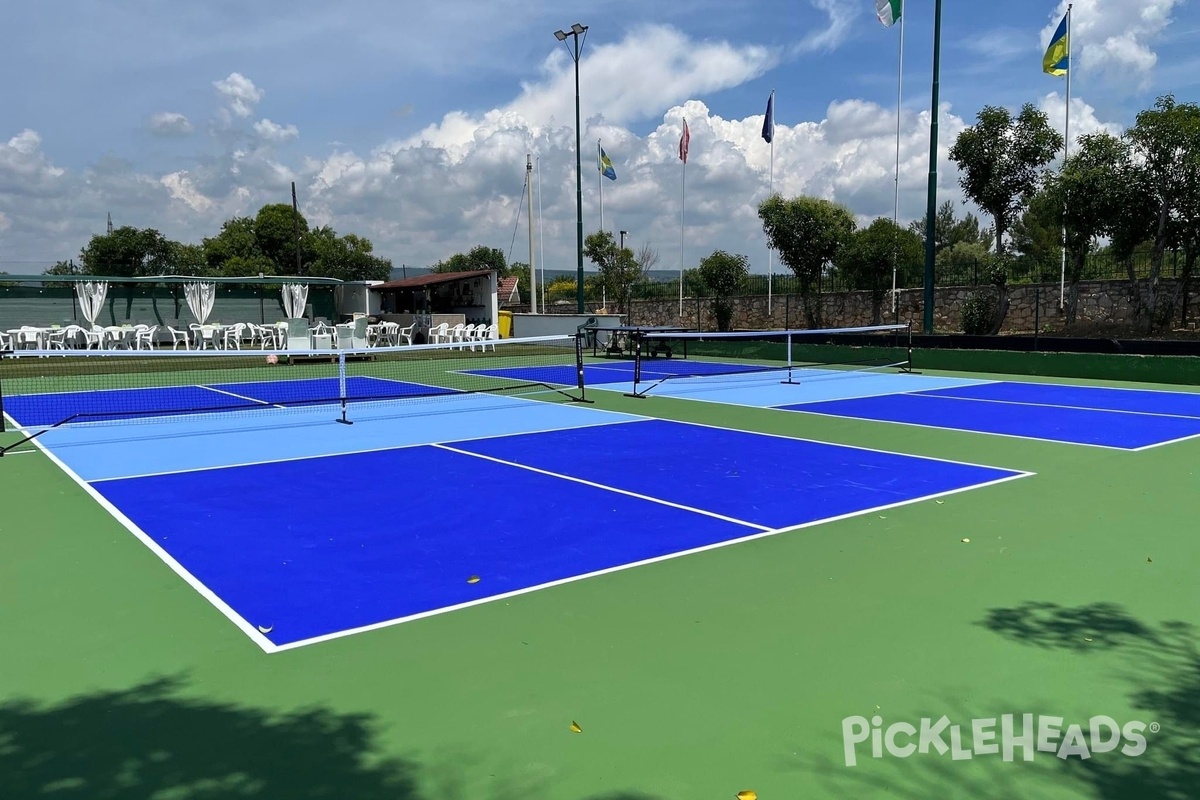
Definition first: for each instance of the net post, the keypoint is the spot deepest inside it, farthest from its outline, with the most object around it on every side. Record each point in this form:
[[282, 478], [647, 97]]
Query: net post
[[789, 360], [637, 366], [580, 346], [341, 362], [3, 429], [908, 367]]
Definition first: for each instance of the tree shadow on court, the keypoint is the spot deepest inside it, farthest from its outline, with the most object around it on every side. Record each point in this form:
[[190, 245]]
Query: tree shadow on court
[[148, 741], [154, 741], [1160, 663]]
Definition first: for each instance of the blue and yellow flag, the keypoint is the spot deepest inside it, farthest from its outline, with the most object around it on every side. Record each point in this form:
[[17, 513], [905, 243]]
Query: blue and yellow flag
[[606, 167], [1058, 58]]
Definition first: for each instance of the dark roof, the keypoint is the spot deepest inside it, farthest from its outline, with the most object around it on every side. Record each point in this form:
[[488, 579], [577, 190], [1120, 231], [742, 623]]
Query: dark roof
[[430, 279]]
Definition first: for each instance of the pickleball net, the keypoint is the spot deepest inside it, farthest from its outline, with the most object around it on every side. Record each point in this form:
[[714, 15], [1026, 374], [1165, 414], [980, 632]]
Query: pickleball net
[[788, 356], [42, 390]]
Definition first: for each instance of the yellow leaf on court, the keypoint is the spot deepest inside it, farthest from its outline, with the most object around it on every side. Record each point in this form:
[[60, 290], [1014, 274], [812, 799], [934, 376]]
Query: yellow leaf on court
[[473, 579], [575, 728], [747, 794], [966, 541]]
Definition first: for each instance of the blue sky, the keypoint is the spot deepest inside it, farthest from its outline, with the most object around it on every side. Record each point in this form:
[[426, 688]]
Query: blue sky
[[409, 123]]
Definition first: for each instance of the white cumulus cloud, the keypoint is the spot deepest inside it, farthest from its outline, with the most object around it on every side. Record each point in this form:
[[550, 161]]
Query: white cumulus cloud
[[170, 123], [240, 93], [275, 133]]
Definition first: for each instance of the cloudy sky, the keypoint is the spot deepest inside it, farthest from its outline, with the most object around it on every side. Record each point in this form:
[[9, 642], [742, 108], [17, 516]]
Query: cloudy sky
[[410, 122]]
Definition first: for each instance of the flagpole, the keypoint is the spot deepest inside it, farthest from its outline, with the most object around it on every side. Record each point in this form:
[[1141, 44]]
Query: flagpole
[[682, 207], [600, 182], [541, 238], [896, 206], [532, 265], [771, 193], [1062, 280]]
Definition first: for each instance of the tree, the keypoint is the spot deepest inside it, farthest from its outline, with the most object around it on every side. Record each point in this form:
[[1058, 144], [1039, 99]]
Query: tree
[[619, 269], [869, 255], [480, 257], [1166, 145], [189, 259], [949, 231], [347, 258], [277, 228], [1001, 160], [1037, 233], [723, 275], [965, 263], [128, 252], [807, 233], [235, 252], [1097, 190]]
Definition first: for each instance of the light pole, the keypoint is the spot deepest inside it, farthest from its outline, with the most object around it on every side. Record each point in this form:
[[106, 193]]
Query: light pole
[[623, 239], [931, 198], [576, 31]]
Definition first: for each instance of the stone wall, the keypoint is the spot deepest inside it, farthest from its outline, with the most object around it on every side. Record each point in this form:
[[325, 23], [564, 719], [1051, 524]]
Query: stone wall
[[1099, 302]]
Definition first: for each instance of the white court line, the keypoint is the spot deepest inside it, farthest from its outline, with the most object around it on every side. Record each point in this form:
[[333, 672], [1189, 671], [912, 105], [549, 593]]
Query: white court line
[[238, 396], [603, 486], [250, 630], [1162, 444], [634, 564]]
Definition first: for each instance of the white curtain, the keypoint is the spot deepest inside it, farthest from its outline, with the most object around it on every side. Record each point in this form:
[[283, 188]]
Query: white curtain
[[295, 299], [200, 297], [91, 299]]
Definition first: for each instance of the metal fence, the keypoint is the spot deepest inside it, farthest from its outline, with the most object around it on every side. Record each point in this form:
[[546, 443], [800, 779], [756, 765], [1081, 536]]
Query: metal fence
[[1020, 271]]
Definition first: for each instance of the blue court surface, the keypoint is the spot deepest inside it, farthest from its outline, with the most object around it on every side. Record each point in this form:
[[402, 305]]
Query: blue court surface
[[300, 529], [1124, 419]]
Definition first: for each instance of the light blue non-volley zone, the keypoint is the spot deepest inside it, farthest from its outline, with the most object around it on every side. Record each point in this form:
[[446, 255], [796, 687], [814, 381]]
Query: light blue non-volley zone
[[206, 441]]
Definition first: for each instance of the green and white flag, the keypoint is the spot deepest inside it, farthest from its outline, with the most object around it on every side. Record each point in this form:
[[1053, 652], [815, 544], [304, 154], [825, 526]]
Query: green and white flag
[[888, 11]]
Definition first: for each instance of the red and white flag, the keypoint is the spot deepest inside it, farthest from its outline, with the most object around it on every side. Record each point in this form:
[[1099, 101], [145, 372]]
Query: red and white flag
[[683, 142]]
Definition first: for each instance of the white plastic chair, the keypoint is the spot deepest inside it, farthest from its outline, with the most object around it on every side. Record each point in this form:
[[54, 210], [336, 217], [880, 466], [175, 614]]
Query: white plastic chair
[[6, 341], [232, 336], [56, 339], [404, 336], [144, 336], [178, 337], [491, 334], [439, 334]]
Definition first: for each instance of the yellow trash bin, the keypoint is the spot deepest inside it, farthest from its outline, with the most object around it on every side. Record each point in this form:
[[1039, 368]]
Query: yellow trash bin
[[505, 324]]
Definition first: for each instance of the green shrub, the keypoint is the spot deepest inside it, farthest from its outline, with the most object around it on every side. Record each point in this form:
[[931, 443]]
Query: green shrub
[[977, 312]]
